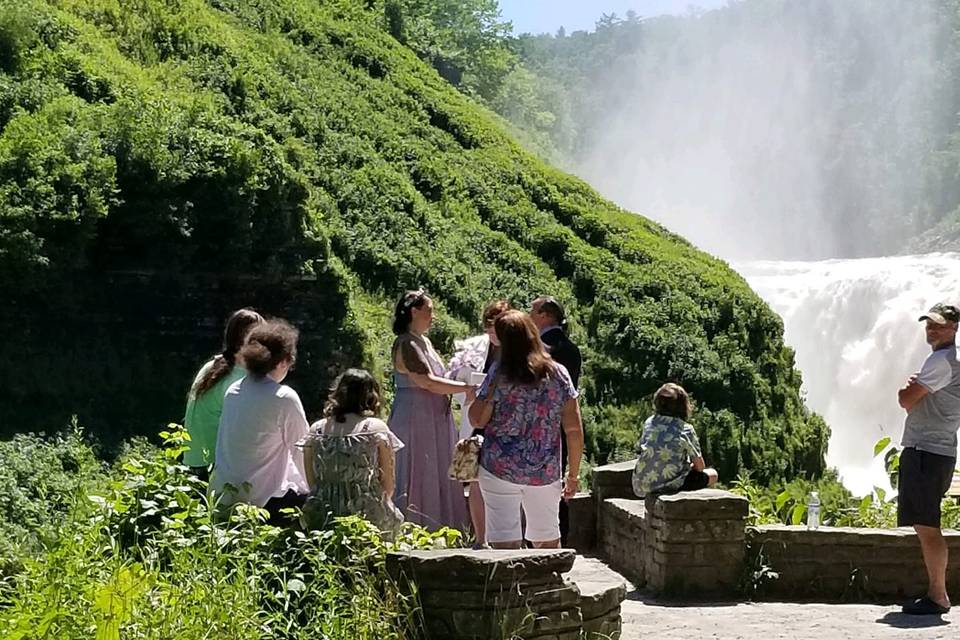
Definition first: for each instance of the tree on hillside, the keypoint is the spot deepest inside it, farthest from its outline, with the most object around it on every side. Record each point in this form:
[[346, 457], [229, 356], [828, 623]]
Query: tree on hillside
[[466, 41]]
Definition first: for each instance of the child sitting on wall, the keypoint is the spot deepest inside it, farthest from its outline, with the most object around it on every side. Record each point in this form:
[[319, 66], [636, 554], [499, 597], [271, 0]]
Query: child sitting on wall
[[669, 451]]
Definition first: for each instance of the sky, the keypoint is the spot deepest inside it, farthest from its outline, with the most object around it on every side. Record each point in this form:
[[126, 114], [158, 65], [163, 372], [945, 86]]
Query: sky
[[546, 16]]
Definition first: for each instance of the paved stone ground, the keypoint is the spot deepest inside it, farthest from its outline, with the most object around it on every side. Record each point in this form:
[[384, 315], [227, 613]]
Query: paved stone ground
[[780, 620], [645, 618]]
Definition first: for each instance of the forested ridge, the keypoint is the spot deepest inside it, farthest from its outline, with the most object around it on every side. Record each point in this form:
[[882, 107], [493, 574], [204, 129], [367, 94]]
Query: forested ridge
[[864, 93], [163, 161]]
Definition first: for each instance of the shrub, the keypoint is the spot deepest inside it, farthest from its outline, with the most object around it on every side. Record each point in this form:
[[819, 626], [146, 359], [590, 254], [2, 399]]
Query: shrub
[[153, 563]]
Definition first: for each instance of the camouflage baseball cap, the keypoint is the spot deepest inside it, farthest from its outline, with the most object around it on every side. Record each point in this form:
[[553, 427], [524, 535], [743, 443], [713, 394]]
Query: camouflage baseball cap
[[942, 313]]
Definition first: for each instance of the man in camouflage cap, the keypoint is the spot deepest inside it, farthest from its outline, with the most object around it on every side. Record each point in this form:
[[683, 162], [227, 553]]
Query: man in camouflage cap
[[929, 457]]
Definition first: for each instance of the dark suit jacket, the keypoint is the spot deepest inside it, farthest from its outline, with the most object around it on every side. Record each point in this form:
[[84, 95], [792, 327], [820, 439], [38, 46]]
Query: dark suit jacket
[[565, 352]]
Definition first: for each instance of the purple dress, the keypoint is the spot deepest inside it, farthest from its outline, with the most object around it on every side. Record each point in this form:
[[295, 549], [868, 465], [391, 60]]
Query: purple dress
[[424, 422]]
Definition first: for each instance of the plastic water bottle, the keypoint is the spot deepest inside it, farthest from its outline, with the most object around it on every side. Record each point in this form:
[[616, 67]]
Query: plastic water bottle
[[813, 511]]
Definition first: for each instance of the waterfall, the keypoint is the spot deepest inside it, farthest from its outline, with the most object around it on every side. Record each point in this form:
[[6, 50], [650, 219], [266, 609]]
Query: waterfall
[[853, 324]]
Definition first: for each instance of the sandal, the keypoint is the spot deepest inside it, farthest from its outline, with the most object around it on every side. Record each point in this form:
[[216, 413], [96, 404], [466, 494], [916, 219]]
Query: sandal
[[924, 607]]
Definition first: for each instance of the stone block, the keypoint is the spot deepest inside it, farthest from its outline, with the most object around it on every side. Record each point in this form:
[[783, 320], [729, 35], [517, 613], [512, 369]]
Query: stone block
[[463, 624], [696, 582], [479, 570], [612, 479], [699, 554], [699, 530], [706, 504], [607, 627], [844, 562], [582, 511], [538, 598], [630, 511], [555, 622]]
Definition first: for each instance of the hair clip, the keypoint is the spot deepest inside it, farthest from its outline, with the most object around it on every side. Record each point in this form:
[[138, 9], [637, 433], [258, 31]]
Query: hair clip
[[414, 298]]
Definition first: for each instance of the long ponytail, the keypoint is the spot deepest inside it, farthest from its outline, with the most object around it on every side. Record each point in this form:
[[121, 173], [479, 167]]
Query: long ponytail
[[238, 327]]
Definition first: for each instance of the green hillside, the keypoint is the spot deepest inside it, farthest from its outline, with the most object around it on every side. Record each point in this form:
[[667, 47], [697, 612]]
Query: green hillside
[[163, 161]]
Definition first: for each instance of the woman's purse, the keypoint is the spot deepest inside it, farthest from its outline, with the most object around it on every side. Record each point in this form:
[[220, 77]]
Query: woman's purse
[[465, 465]]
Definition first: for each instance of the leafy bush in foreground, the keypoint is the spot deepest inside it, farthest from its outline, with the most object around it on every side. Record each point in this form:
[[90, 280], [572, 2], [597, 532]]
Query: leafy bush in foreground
[[147, 560], [41, 481]]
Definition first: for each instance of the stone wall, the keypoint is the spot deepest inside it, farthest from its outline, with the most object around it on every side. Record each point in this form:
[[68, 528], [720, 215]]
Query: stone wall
[[697, 542], [689, 543], [135, 340], [622, 537], [500, 595], [844, 562], [611, 481]]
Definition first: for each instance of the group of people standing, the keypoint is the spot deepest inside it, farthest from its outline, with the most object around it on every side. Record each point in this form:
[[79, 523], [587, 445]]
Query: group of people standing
[[517, 386]]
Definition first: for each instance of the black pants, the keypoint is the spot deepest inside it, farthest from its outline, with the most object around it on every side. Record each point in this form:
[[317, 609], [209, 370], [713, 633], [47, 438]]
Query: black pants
[[202, 473], [290, 500], [924, 479]]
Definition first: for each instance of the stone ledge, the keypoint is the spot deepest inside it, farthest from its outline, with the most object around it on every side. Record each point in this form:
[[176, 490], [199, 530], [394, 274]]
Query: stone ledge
[[479, 570], [616, 474], [509, 594], [705, 504], [633, 511], [852, 536]]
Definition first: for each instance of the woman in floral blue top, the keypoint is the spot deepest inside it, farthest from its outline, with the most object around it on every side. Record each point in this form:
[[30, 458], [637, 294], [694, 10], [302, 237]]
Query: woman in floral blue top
[[523, 403], [669, 450]]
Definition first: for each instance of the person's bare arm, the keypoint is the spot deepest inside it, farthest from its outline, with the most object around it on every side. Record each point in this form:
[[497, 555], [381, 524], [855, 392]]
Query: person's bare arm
[[445, 386], [387, 463], [573, 430], [480, 413], [408, 358], [911, 394], [698, 464]]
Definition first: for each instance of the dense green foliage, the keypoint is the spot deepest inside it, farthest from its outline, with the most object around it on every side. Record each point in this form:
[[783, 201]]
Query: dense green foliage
[[140, 555], [787, 502], [40, 482], [298, 147]]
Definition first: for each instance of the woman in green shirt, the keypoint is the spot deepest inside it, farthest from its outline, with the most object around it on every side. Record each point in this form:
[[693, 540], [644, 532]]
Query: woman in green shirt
[[205, 400]]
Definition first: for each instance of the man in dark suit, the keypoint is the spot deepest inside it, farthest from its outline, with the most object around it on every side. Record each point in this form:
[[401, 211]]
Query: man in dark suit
[[550, 319]]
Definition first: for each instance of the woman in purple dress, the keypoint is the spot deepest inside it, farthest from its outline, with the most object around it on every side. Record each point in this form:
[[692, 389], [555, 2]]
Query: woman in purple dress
[[422, 419]]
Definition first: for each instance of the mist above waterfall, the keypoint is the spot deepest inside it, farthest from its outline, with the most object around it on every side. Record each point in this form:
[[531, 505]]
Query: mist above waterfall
[[777, 129]]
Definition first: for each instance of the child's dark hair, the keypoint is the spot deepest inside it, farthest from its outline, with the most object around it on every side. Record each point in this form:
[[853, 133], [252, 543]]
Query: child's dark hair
[[354, 391], [238, 327], [672, 400], [268, 345]]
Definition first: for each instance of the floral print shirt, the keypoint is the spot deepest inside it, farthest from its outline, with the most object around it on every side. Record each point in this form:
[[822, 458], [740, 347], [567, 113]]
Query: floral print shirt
[[666, 450], [521, 442]]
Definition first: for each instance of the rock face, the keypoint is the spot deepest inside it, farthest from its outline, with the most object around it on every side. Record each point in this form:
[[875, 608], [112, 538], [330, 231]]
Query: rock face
[[500, 595]]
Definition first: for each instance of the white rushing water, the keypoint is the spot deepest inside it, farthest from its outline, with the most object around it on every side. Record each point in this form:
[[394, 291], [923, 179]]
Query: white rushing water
[[853, 324]]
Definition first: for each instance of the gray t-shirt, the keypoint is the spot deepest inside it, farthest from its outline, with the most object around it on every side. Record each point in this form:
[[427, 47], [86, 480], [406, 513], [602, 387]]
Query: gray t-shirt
[[933, 422]]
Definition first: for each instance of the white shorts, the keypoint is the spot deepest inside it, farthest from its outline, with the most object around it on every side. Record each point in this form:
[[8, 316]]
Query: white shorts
[[503, 500]]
